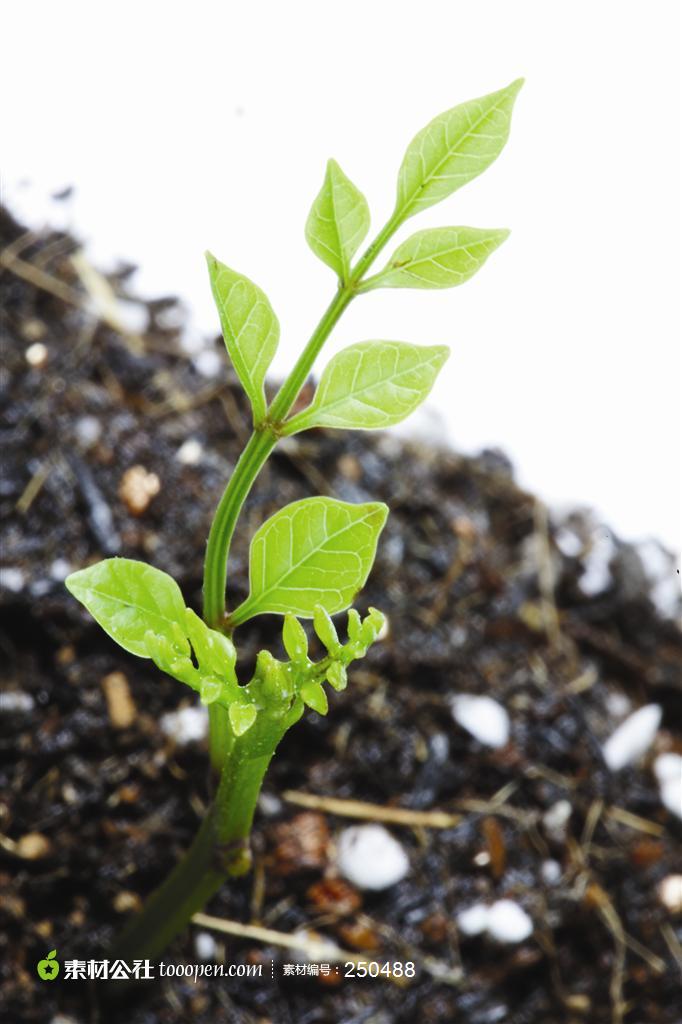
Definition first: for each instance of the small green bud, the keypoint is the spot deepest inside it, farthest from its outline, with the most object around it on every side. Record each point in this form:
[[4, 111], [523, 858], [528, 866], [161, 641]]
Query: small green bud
[[354, 625], [184, 670], [210, 689], [179, 638], [337, 677], [325, 629], [214, 651], [314, 696], [242, 717], [294, 639], [371, 627]]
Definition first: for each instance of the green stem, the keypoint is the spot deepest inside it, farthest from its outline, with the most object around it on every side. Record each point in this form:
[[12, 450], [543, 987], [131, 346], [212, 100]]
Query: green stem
[[220, 848], [264, 439]]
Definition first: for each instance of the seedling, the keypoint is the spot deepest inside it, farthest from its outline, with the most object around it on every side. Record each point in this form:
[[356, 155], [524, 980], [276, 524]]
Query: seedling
[[312, 557]]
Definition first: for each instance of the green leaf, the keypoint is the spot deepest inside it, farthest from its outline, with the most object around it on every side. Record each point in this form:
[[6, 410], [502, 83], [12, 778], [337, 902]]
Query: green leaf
[[315, 551], [250, 328], [338, 221], [453, 149], [371, 385], [128, 599], [438, 258]]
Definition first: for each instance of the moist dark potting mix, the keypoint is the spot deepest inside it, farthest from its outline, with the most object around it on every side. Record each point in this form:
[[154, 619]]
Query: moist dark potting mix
[[464, 814]]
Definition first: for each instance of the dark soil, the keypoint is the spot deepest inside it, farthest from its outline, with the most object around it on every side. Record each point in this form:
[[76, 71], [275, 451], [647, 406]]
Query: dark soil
[[480, 600]]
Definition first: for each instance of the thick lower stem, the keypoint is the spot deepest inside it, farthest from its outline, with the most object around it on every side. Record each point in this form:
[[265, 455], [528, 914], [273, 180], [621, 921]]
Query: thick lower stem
[[220, 849]]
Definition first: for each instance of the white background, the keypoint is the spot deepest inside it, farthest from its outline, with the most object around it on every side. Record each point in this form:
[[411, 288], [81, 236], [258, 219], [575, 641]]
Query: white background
[[207, 125]]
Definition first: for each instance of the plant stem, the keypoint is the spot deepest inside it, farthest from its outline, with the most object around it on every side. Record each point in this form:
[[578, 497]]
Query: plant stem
[[264, 439], [220, 848]]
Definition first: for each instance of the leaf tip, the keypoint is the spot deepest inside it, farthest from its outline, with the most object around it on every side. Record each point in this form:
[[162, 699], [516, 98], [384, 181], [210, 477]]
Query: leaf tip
[[378, 514]]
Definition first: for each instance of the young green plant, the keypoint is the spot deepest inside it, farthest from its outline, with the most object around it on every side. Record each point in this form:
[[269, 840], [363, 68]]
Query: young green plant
[[310, 559]]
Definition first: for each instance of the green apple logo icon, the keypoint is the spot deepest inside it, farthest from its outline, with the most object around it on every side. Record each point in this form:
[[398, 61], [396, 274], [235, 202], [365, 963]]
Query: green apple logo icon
[[48, 969]]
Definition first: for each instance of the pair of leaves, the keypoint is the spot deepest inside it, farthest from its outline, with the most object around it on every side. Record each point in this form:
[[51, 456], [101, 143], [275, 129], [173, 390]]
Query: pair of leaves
[[450, 151], [315, 552]]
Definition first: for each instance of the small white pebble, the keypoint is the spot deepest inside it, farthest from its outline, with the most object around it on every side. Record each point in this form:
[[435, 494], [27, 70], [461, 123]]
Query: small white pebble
[[596, 577], [189, 453], [60, 569], [660, 568], [667, 767], [205, 946], [315, 948], [555, 819], [483, 717], [370, 858], [482, 859], [568, 542], [671, 796], [633, 737], [670, 893], [473, 920], [186, 725], [508, 922], [269, 804], [88, 431], [36, 355], [209, 363], [12, 579], [617, 704], [550, 871], [440, 747], [385, 630], [16, 700]]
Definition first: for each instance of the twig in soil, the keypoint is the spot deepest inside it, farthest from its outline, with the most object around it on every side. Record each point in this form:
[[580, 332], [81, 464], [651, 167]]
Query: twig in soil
[[314, 950], [634, 821], [440, 970], [40, 279], [373, 812], [585, 681], [612, 921], [97, 289], [550, 616], [591, 821], [673, 943], [33, 487], [12, 250]]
